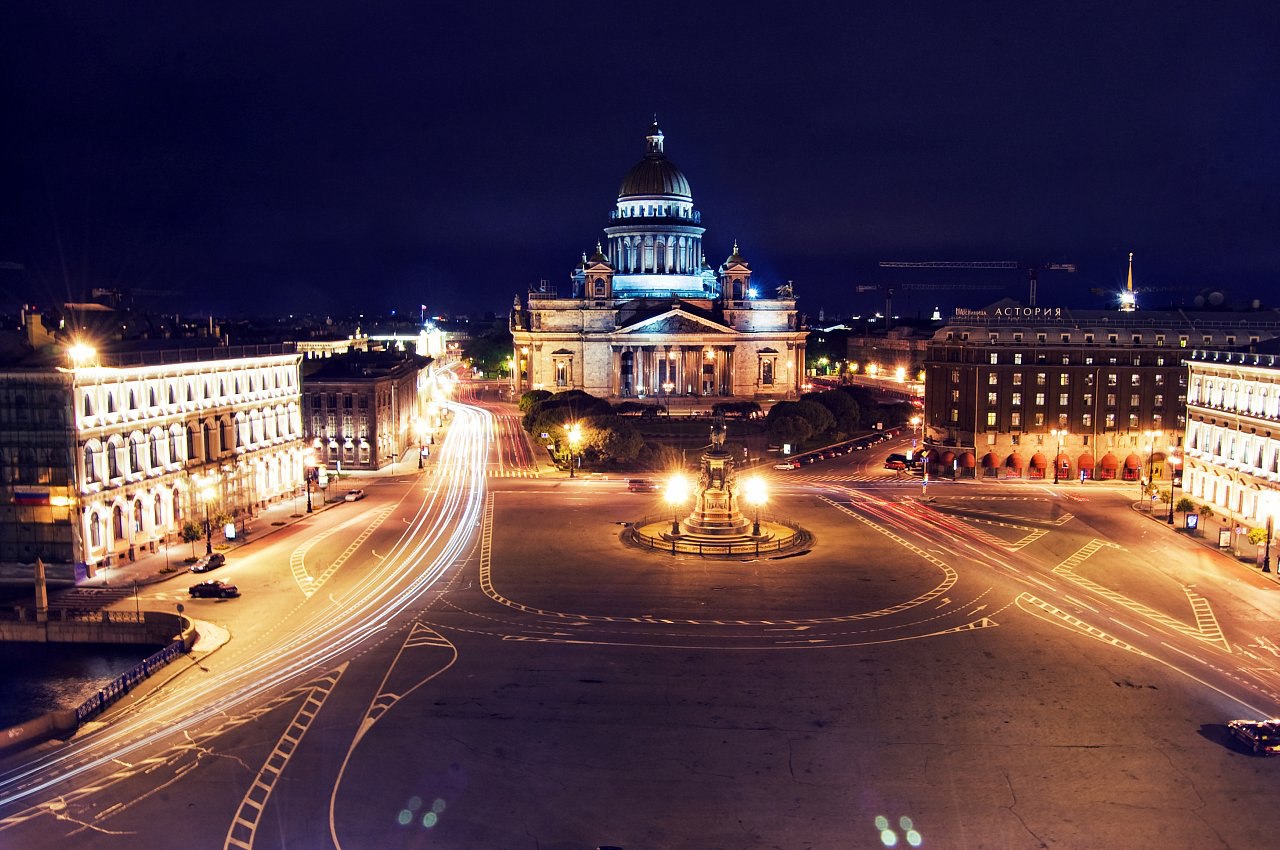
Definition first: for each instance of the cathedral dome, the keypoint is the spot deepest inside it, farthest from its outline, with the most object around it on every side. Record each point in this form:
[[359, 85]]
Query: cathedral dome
[[655, 174]]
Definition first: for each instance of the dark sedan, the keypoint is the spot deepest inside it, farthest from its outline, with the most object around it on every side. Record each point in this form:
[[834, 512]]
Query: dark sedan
[[209, 562], [213, 589], [1261, 736]]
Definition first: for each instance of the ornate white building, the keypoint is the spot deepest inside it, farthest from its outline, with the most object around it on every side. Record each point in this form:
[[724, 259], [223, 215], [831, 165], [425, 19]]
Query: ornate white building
[[98, 461], [648, 317], [1233, 433]]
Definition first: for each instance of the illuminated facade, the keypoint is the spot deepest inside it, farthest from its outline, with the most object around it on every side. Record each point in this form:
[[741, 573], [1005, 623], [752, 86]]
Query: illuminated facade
[[97, 462], [1012, 391], [1233, 433], [647, 317]]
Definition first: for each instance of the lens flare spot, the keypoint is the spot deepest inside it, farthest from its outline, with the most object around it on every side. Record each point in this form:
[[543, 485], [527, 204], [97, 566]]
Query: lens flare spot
[[905, 822], [914, 838], [438, 806], [888, 838], [882, 822], [415, 803], [430, 819], [405, 817]]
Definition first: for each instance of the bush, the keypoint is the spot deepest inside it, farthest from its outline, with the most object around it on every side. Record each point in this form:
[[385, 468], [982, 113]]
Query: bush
[[789, 429], [532, 397]]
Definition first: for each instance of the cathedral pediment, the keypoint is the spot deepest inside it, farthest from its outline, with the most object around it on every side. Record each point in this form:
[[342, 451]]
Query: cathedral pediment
[[676, 322]]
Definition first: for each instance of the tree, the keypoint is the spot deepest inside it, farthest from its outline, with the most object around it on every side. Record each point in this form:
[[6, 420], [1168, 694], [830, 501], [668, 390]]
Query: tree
[[531, 398], [843, 409], [789, 429], [490, 349], [191, 532], [1257, 536], [1184, 506]]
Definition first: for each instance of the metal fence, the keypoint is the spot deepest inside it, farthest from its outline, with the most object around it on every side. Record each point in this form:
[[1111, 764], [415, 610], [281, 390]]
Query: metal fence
[[121, 685], [697, 547]]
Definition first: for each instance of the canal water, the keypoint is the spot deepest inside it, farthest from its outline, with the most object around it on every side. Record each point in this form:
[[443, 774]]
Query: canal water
[[36, 678]]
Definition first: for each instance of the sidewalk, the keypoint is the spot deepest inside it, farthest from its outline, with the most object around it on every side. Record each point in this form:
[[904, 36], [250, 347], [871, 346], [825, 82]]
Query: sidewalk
[[170, 561], [1209, 540]]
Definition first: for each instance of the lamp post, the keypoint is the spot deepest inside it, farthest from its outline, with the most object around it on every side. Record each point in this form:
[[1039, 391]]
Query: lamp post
[[677, 492], [574, 431], [420, 430], [1266, 554], [1151, 453], [1058, 433], [206, 491], [308, 464], [756, 493], [1172, 480]]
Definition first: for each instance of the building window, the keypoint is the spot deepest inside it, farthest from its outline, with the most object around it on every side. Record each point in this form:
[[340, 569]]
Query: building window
[[1017, 379], [1088, 399], [1039, 399], [1015, 400], [1158, 400], [1016, 337], [1135, 380], [1041, 338], [1111, 420], [1064, 380], [1182, 342], [1015, 419], [1066, 337], [992, 399], [1041, 379], [955, 376], [993, 358], [1111, 399], [955, 415], [1112, 379], [1066, 360], [1158, 421], [1087, 420], [1062, 399], [1062, 420], [1112, 339], [1088, 339], [991, 419], [1135, 400], [1133, 421], [1017, 358], [1040, 420], [992, 378], [955, 395]]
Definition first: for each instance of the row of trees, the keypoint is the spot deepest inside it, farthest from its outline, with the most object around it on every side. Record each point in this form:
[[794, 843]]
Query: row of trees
[[832, 415], [605, 437]]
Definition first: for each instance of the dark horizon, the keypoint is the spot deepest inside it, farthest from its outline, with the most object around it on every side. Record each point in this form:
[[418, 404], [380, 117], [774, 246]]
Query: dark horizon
[[263, 161]]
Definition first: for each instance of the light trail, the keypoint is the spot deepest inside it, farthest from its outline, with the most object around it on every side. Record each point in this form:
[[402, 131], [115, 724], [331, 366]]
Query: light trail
[[445, 522]]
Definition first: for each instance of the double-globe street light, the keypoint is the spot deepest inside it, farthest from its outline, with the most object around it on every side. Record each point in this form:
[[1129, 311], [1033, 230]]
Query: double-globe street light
[[756, 493], [574, 432], [1058, 433], [1151, 436], [676, 494], [206, 491]]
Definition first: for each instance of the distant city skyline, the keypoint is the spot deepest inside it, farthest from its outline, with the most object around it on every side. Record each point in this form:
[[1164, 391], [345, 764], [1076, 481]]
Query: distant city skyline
[[262, 161]]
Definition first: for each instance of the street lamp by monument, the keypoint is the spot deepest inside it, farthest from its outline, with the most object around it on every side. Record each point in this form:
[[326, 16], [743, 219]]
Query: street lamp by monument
[[756, 494], [675, 496], [574, 431], [1058, 433]]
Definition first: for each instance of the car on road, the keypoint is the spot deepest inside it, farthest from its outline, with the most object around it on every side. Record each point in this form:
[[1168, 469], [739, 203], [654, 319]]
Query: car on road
[[354, 495], [895, 464], [786, 464], [642, 485], [213, 589], [1261, 736], [209, 562]]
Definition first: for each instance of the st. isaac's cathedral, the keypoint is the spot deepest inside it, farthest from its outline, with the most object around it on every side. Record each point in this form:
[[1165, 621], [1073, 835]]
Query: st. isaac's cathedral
[[649, 318]]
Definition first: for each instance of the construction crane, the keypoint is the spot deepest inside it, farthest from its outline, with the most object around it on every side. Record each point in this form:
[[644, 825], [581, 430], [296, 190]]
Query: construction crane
[[888, 290], [1033, 270]]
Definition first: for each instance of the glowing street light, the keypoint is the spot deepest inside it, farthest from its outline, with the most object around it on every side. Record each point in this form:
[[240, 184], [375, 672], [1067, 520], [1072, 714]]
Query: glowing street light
[[1151, 436], [308, 464], [574, 431], [675, 496], [1059, 433], [206, 492], [756, 493], [81, 354]]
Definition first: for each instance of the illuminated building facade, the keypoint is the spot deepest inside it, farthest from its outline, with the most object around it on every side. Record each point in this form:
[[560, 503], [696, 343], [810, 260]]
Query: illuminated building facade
[[1010, 391], [360, 408], [97, 461], [647, 317], [1233, 433]]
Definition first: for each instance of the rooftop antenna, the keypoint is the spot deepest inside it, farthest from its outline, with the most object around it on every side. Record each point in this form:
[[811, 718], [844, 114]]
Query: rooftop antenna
[[1128, 302]]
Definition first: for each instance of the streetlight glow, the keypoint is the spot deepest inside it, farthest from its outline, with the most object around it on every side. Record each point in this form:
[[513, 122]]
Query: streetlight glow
[[756, 493], [676, 493], [574, 431]]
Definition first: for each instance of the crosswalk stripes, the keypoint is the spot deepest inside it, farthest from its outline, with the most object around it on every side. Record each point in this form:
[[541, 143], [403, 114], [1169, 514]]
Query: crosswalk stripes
[[513, 473], [90, 598]]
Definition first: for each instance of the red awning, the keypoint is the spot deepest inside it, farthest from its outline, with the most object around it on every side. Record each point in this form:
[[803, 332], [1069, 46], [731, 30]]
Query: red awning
[[946, 458], [990, 460], [1085, 462], [1063, 461], [1132, 462], [1109, 461], [967, 460], [1039, 461], [1014, 461]]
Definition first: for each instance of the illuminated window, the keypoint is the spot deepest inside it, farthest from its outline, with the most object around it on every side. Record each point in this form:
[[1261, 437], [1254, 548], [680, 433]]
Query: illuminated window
[[1039, 399], [1062, 400], [1015, 419], [992, 398], [1015, 399], [993, 378], [991, 419], [1017, 379], [1041, 379]]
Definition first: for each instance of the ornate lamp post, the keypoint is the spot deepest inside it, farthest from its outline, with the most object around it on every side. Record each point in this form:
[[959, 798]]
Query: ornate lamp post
[[677, 492], [1058, 433], [1151, 436], [1173, 476], [574, 431], [308, 464], [206, 492], [756, 494]]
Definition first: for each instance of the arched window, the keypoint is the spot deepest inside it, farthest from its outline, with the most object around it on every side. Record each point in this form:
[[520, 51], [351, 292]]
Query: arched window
[[90, 471], [766, 372], [152, 395], [113, 461], [660, 253], [155, 451], [173, 399], [111, 402], [176, 502], [88, 404], [117, 522], [95, 530], [139, 459], [133, 400], [157, 513], [137, 517]]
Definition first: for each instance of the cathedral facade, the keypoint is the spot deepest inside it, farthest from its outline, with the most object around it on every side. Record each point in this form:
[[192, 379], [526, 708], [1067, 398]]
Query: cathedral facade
[[648, 317]]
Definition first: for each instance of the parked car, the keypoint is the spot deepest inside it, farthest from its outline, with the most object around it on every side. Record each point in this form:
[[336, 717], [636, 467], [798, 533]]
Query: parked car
[[786, 464], [1261, 736], [209, 562], [642, 485], [213, 589], [354, 495]]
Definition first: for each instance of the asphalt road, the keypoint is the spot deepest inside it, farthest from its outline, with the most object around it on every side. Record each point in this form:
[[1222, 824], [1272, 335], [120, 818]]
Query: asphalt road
[[470, 661]]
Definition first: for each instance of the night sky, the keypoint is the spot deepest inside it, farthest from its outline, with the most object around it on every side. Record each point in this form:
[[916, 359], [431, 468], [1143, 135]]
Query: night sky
[[324, 157]]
